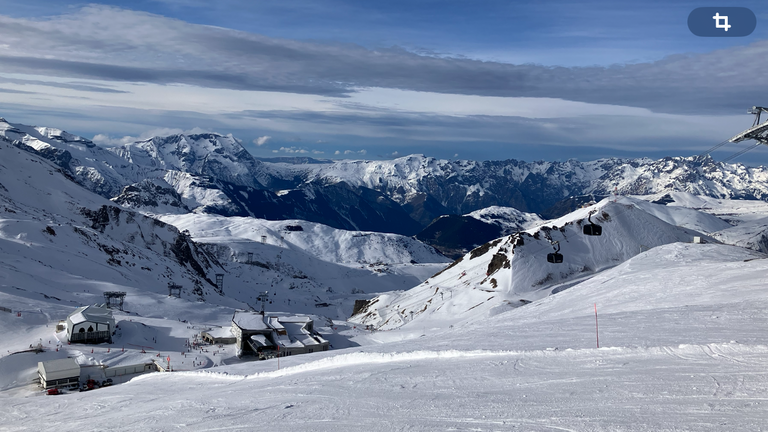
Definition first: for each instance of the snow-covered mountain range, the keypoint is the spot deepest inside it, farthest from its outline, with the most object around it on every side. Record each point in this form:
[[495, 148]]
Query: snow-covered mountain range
[[500, 330], [213, 173], [58, 238]]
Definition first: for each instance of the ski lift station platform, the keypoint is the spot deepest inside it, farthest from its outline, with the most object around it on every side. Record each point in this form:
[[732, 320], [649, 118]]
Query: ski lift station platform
[[90, 324]]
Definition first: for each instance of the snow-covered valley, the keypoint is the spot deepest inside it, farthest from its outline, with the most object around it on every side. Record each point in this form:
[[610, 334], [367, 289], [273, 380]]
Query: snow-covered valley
[[682, 336]]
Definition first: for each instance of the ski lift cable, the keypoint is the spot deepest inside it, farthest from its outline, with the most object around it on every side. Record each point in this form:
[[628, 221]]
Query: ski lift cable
[[739, 153], [717, 146]]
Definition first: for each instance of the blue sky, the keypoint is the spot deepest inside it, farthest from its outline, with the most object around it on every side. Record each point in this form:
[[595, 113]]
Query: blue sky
[[547, 80]]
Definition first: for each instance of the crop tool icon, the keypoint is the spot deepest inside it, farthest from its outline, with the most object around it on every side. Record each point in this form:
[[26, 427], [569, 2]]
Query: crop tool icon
[[724, 20]]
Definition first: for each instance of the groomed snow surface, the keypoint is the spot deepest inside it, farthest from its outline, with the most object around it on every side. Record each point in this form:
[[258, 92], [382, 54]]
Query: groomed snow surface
[[683, 347]]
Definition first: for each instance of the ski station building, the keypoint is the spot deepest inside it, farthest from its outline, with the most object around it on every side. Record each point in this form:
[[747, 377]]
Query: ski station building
[[61, 373], [275, 335], [90, 324], [218, 336]]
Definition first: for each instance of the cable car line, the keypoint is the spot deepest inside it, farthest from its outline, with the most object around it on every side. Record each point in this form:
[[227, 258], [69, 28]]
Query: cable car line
[[720, 144], [739, 153]]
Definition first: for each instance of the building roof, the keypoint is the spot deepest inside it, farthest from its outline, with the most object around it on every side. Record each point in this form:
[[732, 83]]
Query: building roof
[[294, 319], [95, 314], [220, 333], [249, 320], [261, 340], [274, 322], [58, 369]]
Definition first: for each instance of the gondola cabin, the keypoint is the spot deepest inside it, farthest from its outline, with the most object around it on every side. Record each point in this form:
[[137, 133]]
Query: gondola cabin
[[593, 230], [555, 258]]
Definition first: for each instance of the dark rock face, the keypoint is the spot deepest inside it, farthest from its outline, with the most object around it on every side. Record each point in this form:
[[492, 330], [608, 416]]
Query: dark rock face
[[338, 205], [163, 236], [151, 195], [455, 235]]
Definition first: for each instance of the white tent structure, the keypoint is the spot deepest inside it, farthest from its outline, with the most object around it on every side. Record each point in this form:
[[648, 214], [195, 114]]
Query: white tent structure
[[59, 373], [90, 324]]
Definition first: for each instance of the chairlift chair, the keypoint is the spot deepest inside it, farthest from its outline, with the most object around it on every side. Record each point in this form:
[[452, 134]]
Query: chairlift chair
[[555, 257], [592, 229]]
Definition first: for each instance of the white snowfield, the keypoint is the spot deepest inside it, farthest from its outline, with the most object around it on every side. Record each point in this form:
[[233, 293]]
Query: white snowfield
[[321, 241], [683, 347], [747, 219], [510, 220]]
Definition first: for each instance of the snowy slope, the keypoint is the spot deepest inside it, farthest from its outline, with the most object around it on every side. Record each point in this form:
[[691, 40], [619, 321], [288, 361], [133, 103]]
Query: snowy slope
[[747, 219], [685, 217], [513, 270], [321, 241], [59, 239], [682, 348], [93, 167], [511, 220]]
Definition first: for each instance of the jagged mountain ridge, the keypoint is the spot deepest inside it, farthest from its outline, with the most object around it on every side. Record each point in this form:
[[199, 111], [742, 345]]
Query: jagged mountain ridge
[[209, 173], [214, 173], [464, 186]]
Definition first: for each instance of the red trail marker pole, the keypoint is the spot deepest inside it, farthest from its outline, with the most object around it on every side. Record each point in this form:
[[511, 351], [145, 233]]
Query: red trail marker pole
[[597, 334]]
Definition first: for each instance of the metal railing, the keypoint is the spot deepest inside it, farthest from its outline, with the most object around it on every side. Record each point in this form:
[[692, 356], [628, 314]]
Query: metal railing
[[89, 336]]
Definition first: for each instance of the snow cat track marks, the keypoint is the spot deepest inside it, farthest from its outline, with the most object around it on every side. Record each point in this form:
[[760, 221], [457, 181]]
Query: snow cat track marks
[[475, 306]]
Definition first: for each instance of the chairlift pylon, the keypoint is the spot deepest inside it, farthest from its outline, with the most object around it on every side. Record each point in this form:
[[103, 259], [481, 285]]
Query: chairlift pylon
[[592, 229], [555, 257]]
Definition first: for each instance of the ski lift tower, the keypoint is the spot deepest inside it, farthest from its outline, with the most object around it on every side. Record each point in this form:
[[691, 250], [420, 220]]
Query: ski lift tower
[[114, 299], [263, 297], [758, 131], [174, 290], [220, 283]]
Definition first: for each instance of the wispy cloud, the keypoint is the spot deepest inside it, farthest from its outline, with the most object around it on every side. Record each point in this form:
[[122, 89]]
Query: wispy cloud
[[114, 44], [110, 141], [260, 141], [63, 85]]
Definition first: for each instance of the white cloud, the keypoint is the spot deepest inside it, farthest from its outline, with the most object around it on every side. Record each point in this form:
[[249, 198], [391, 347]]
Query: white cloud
[[260, 141], [347, 152], [395, 153], [293, 150], [317, 152], [337, 152], [109, 141]]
